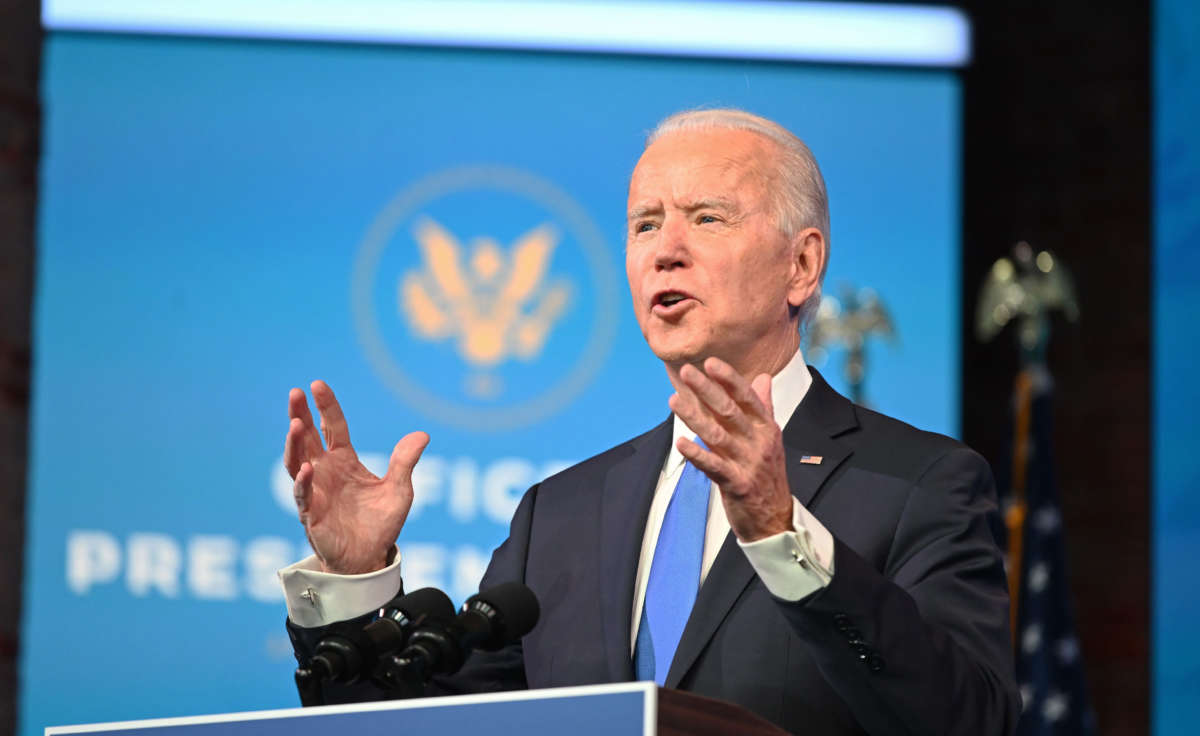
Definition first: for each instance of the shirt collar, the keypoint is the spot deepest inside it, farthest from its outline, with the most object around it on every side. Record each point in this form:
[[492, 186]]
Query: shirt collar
[[788, 388]]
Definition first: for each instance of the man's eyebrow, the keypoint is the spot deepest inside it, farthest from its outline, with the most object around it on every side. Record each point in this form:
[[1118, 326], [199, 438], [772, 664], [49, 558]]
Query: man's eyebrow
[[714, 203], [726, 204], [642, 210]]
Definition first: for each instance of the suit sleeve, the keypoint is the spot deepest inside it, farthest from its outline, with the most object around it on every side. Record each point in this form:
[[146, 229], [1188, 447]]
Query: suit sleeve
[[483, 671], [922, 647]]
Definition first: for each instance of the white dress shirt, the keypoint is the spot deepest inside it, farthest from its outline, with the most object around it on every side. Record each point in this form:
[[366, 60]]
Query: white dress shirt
[[791, 564]]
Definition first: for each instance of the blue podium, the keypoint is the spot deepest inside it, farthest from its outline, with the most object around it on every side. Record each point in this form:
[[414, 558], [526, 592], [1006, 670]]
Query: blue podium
[[623, 709]]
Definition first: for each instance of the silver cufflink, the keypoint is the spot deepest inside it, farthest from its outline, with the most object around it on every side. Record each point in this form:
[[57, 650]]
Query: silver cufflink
[[800, 559]]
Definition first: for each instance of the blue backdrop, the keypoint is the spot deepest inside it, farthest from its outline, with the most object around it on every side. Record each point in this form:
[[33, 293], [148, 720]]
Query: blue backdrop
[[223, 220], [1176, 595]]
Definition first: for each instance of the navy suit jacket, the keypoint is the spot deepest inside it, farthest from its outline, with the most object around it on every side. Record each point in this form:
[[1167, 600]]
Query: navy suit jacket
[[910, 636]]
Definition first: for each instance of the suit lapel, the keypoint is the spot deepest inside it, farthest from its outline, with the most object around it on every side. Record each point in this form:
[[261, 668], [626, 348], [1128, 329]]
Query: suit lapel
[[822, 416], [628, 492]]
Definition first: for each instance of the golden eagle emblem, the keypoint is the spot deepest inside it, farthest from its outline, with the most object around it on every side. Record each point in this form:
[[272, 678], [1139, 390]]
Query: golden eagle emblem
[[495, 305]]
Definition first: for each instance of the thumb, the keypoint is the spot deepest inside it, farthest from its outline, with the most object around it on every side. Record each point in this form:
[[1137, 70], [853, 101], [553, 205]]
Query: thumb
[[762, 389], [405, 455]]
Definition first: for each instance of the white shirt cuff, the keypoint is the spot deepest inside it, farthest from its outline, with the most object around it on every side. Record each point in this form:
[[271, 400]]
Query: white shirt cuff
[[316, 598], [796, 564]]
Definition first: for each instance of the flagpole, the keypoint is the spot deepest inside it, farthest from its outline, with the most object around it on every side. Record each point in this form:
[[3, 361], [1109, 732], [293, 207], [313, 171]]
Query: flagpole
[[1014, 514]]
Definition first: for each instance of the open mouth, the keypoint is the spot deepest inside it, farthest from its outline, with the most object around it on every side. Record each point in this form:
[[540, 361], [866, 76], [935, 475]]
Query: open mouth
[[668, 300]]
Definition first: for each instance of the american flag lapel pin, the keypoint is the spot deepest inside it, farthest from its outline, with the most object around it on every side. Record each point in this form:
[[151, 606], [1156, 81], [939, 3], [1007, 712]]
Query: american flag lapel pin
[[810, 459]]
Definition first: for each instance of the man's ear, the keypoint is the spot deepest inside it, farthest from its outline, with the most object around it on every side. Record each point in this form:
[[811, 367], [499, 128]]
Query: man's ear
[[807, 264]]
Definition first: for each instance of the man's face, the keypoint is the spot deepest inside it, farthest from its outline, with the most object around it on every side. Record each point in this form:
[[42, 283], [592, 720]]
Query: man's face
[[709, 271]]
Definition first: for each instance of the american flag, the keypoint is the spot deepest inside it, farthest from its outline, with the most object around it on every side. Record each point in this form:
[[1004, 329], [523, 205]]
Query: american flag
[[1049, 665]]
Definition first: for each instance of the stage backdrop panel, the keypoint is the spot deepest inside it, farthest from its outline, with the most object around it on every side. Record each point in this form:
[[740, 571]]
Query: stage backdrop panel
[[1176, 596], [436, 233]]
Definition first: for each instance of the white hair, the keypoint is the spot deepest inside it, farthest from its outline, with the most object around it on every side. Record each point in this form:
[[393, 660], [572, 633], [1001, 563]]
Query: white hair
[[800, 201]]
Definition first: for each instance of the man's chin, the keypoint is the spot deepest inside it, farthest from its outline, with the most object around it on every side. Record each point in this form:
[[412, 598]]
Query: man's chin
[[675, 356], [675, 349]]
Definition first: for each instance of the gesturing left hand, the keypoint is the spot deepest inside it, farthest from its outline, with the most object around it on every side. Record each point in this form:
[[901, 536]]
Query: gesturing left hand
[[745, 456]]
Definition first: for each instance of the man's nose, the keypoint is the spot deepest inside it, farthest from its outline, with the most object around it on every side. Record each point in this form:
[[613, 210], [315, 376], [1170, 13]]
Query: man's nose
[[673, 249]]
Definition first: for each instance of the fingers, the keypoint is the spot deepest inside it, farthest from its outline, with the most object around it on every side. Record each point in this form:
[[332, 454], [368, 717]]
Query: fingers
[[718, 403], [333, 422], [295, 447], [741, 391], [405, 455], [718, 469], [302, 490], [298, 409], [701, 421], [734, 419], [714, 397]]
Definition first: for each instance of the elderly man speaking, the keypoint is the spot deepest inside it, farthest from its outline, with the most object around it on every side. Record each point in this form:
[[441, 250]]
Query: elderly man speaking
[[771, 544]]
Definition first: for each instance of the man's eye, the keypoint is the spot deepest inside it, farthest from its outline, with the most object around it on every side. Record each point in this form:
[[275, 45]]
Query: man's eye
[[705, 219], [643, 227]]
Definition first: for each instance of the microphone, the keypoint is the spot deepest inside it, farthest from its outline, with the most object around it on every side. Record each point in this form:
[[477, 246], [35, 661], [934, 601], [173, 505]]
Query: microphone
[[489, 620], [401, 616], [346, 654]]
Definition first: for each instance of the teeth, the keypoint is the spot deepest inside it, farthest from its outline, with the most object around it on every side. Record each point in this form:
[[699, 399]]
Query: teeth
[[670, 299]]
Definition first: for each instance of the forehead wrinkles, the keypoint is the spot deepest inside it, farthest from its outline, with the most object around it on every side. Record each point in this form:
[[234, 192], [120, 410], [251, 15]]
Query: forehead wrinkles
[[694, 175]]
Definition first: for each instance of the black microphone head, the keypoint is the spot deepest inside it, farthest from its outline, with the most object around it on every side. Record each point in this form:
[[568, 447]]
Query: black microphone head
[[511, 608], [423, 603]]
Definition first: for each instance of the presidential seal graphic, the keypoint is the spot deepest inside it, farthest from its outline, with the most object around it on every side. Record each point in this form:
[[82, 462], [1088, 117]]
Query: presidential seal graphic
[[485, 297]]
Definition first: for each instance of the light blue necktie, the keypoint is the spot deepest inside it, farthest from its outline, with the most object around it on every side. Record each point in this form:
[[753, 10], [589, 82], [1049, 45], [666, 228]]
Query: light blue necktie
[[674, 576]]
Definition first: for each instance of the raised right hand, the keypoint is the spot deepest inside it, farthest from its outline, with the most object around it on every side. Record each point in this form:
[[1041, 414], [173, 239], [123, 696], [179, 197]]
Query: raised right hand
[[352, 517]]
